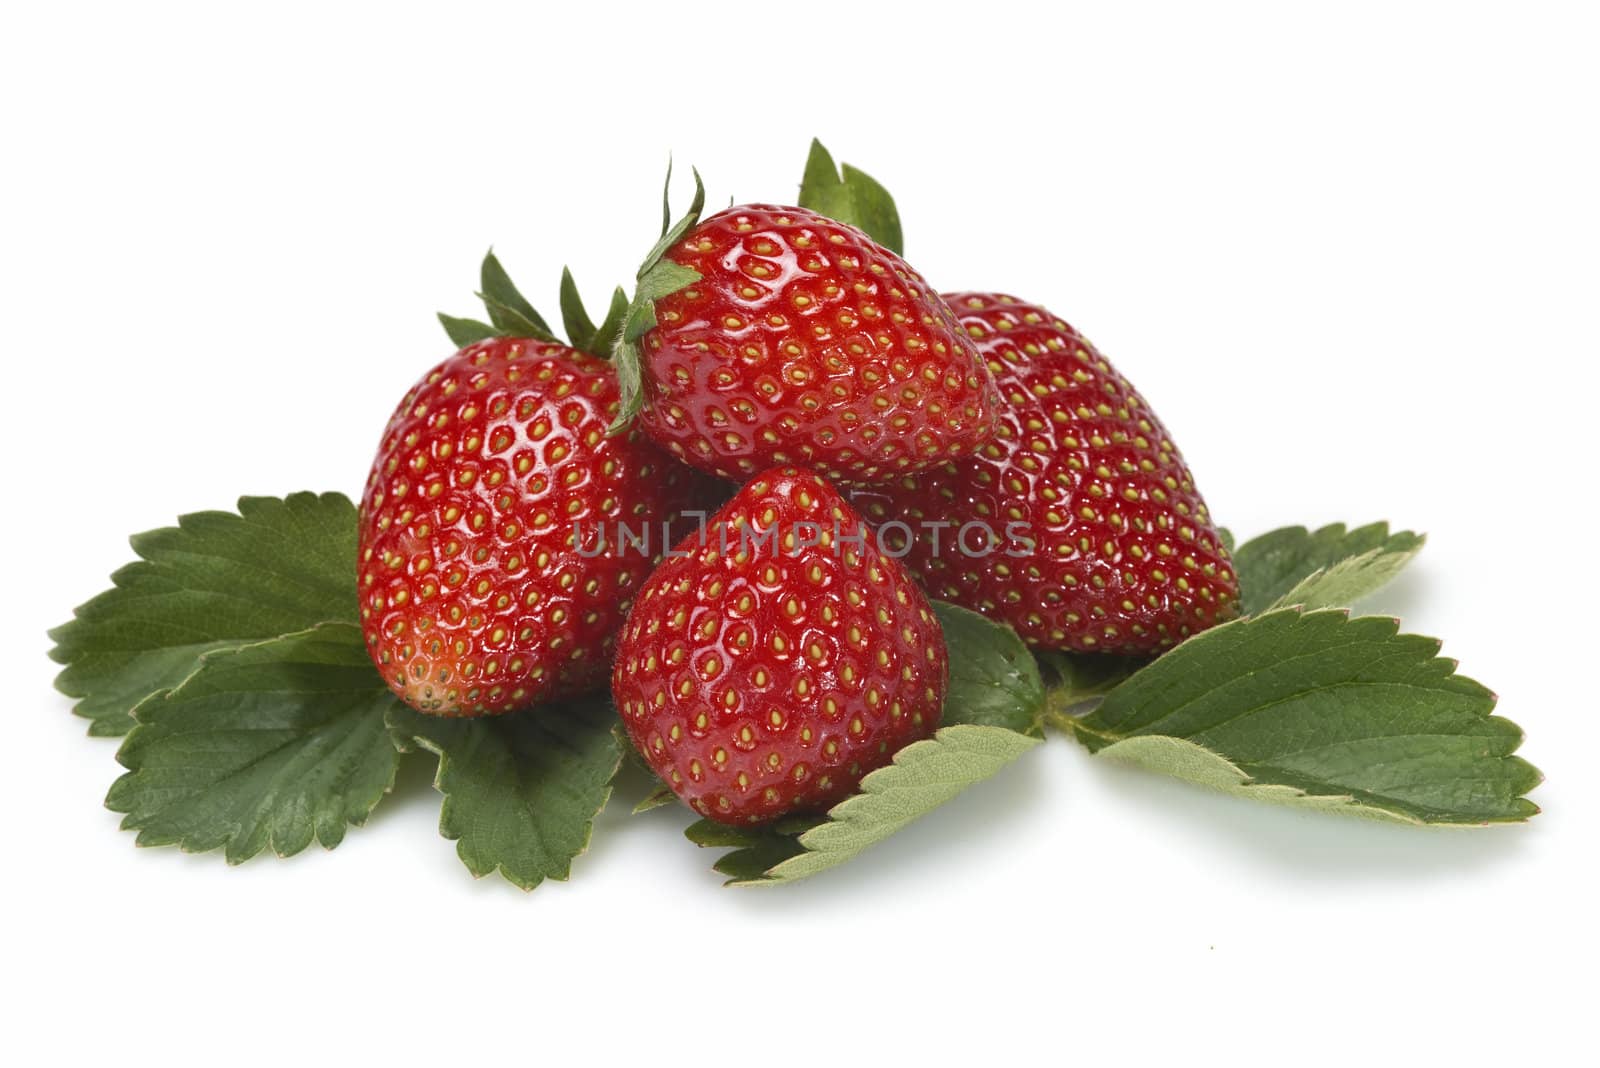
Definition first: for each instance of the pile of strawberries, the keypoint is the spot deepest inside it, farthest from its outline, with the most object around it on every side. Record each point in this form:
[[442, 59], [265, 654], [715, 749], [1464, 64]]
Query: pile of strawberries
[[732, 499]]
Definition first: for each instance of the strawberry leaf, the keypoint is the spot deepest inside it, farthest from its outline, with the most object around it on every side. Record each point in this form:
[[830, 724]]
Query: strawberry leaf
[[853, 197], [924, 776], [1316, 709], [508, 309], [521, 791], [993, 680], [268, 745], [464, 332], [755, 850], [1328, 568], [217, 580]]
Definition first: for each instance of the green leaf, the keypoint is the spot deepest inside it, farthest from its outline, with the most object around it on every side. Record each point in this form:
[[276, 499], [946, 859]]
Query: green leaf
[[217, 580], [1225, 536], [464, 332], [269, 745], [521, 791], [508, 309], [579, 327], [924, 776], [1331, 567], [755, 850], [854, 198], [1315, 708], [993, 679]]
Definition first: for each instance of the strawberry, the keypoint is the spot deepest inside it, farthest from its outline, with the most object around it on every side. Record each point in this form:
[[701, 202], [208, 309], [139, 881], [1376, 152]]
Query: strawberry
[[773, 335], [485, 584], [766, 668], [1096, 536]]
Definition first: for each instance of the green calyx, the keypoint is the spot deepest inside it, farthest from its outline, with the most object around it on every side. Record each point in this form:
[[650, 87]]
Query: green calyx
[[658, 277], [513, 315], [852, 197]]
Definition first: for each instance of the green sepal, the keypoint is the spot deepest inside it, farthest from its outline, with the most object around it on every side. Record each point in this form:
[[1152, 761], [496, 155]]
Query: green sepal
[[508, 309], [657, 278], [464, 332], [852, 197], [610, 328], [580, 328], [582, 333]]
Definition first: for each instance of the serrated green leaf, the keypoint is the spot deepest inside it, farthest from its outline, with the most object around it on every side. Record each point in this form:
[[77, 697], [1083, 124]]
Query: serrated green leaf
[[580, 328], [521, 791], [924, 776], [993, 679], [1330, 567], [1319, 709], [268, 745], [854, 198], [508, 309], [754, 851], [464, 332], [1225, 536], [217, 580]]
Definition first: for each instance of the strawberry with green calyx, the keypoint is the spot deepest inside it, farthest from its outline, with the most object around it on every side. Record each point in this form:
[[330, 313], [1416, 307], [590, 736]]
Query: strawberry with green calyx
[[771, 663], [490, 571], [1079, 524], [772, 335]]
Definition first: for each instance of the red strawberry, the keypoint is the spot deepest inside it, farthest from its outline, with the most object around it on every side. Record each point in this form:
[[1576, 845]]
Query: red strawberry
[[771, 666], [776, 335], [475, 594], [1103, 541]]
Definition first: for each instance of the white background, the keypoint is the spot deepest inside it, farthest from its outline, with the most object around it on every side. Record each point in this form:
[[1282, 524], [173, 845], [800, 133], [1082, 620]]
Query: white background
[[1350, 256]]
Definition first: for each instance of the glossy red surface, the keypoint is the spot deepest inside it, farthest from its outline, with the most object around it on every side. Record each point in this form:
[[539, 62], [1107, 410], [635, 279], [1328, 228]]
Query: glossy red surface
[[805, 342], [474, 596], [761, 678], [1111, 547]]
